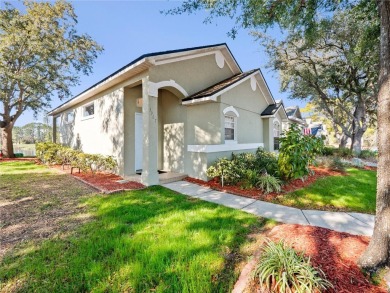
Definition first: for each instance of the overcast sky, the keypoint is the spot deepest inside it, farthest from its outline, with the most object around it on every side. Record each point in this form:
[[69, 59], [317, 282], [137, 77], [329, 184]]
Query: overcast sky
[[128, 29]]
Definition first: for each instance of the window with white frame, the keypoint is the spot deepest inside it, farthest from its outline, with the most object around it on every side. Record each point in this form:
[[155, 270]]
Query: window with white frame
[[230, 124], [276, 135], [69, 117], [230, 128], [89, 110]]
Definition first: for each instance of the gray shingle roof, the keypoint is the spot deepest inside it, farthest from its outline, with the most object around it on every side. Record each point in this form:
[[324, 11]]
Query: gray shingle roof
[[271, 109]]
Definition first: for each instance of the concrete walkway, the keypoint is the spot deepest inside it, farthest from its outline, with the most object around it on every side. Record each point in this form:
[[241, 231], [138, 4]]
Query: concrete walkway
[[353, 223]]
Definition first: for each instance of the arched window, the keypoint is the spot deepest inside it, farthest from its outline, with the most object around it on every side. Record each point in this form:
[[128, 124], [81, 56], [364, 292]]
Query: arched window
[[276, 135], [230, 124]]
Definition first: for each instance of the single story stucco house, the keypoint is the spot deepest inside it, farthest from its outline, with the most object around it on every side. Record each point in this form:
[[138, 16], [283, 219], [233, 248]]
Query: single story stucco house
[[176, 111]]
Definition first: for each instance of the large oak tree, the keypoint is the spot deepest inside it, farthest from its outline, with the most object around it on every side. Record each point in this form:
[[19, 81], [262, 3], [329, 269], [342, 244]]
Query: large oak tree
[[303, 15], [336, 69], [41, 55]]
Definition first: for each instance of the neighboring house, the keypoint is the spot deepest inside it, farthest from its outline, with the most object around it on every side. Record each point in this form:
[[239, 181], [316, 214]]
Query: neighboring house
[[318, 129], [175, 111], [272, 115], [295, 117]]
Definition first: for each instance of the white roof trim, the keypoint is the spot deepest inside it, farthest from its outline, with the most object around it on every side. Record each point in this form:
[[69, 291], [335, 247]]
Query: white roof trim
[[149, 62], [201, 100]]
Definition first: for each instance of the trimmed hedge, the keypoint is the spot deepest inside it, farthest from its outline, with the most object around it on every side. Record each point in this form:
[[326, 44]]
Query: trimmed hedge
[[52, 153]]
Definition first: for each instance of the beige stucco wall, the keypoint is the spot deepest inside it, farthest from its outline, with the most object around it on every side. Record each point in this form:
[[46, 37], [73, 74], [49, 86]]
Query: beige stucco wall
[[172, 118], [100, 134], [130, 108], [192, 74], [249, 104]]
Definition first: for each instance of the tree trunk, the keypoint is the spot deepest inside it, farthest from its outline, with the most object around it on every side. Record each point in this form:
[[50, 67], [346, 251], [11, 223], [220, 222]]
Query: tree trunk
[[377, 253], [7, 145], [343, 141], [357, 143]]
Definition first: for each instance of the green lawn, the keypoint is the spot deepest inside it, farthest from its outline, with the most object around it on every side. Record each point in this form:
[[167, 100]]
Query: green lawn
[[151, 240], [355, 192]]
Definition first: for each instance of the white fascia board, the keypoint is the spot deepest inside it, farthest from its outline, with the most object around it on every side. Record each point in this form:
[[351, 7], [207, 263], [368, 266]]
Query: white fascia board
[[98, 88], [268, 116], [217, 94], [232, 85], [199, 101], [215, 148], [181, 58]]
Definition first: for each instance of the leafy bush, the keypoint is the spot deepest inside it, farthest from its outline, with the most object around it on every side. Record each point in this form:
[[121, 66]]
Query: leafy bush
[[52, 153], [266, 161], [333, 163], [225, 170], [329, 151], [343, 152], [244, 168], [250, 179], [281, 269], [367, 154], [297, 152], [269, 183]]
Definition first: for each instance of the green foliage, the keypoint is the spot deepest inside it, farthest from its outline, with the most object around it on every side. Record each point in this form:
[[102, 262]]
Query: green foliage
[[281, 269], [52, 153], [331, 162], [226, 170], [297, 152], [269, 183], [353, 193], [343, 152], [266, 161], [328, 151], [32, 133], [150, 240], [41, 55], [368, 154], [244, 168]]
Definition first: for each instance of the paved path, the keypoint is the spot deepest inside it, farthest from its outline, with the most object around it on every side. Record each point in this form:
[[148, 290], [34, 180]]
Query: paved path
[[353, 223]]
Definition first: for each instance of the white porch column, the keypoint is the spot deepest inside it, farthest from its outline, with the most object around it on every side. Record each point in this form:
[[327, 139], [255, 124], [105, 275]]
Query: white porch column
[[150, 130]]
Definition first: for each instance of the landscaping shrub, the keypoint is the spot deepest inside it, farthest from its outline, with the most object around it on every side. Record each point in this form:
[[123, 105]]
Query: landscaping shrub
[[297, 152], [368, 155], [281, 269], [266, 161], [249, 180], [329, 151], [333, 163], [269, 183], [226, 170], [343, 152], [244, 168], [52, 153]]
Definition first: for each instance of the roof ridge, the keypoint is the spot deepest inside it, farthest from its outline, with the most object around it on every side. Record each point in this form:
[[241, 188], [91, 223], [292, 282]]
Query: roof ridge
[[153, 54]]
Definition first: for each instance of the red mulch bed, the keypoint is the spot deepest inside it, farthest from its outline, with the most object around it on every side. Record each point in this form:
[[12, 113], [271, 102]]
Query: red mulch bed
[[105, 182], [335, 253], [258, 194]]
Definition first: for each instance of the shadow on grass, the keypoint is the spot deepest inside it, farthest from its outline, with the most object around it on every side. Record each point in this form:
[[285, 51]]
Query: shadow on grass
[[152, 239]]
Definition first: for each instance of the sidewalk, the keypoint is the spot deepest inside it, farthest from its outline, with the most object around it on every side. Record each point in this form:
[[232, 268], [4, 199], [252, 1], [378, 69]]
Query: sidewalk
[[353, 223]]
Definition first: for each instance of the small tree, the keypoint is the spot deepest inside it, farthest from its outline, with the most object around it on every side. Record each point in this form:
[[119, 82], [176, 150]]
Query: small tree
[[297, 152], [40, 55]]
